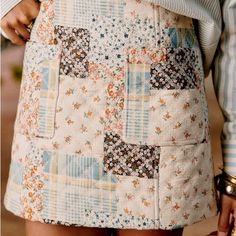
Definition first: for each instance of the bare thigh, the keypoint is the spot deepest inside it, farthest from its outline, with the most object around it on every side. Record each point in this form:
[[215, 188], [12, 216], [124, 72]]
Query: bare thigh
[[133, 232], [35, 228]]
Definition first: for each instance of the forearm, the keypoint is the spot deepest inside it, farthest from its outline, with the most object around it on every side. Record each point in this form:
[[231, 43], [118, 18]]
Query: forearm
[[225, 84]]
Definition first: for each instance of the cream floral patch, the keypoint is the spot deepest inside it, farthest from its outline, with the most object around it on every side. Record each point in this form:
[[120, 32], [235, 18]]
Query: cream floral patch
[[137, 196], [177, 117], [187, 192]]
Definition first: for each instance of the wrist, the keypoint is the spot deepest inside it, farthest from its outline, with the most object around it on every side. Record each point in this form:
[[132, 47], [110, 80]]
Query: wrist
[[226, 183]]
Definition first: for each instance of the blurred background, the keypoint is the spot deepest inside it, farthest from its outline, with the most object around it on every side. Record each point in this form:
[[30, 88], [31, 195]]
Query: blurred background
[[11, 69]]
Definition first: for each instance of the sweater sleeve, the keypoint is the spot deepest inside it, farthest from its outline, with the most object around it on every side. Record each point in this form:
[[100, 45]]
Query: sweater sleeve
[[7, 5], [224, 79]]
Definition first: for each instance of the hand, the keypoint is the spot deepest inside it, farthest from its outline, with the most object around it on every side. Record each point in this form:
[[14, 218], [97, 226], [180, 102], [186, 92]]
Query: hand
[[227, 207], [15, 22]]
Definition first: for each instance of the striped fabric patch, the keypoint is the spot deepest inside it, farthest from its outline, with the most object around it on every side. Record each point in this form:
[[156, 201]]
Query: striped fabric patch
[[136, 114], [179, 37], [79, 13], [75, 183], [48, 97]]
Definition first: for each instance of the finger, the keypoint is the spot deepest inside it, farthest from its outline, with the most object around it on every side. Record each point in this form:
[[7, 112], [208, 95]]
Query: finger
[[12, 35], [21, 29], [34, 11], [224, 217], [234, 217], [24, 19]]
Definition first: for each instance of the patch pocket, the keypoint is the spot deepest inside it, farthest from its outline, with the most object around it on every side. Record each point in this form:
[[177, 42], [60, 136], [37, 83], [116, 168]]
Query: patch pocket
[[39, 90], [186, 179], [176, 117]]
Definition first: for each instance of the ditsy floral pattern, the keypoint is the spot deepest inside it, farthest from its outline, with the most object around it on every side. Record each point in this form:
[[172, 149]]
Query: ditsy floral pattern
[[130, 159], [129, 106], [183, 190], [75, 46], [43, 29]]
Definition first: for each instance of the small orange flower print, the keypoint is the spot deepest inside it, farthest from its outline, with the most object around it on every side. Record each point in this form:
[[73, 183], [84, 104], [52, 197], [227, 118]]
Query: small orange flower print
[[84, 89], [186, 195], [169, 186], [88, 114], [55, 145], [175, 94], [98, 133], [58, 109], [186, 215], [187, 134], [129, 196], [200, 125], [69, 121], [167, 116], [186, 105], [173, 157], [158, 130], [152, 108], [178, 125], [204, 192], [176, 206], [96, 99], [76, 105], [78, 151], [135, 183], [186, 180], [196, 205], [151, 189], [162, 102], [88, 143], [178, 172], [200, 172], [126, 210], [83, 128], [173, 139], [69, 92], [193, 118], [168, 199], [145, 202]]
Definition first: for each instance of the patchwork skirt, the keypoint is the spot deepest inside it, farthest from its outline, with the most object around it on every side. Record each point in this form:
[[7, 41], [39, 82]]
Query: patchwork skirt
[[112, 121]]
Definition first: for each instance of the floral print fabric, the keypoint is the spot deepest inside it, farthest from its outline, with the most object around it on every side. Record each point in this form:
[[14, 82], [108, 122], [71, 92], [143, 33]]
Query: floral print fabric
[[112, 127]]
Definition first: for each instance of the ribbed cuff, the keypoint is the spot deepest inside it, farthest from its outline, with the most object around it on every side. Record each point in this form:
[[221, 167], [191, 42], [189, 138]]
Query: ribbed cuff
[[229, 156], [7, 5]]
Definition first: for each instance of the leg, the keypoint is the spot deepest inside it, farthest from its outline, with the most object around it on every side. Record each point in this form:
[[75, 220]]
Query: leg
[[35, 228], [133, 232]]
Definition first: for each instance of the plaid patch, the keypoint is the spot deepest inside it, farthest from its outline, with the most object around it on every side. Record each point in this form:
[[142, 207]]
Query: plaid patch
[[48, 98], [136, 114], [79, 13], [179, 37], [75, 183]]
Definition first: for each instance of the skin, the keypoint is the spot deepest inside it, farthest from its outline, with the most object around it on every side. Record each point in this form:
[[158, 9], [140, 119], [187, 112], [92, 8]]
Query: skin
[[14, 24]]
